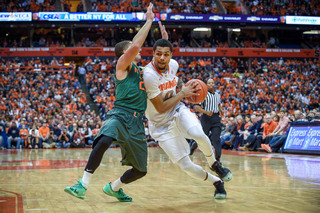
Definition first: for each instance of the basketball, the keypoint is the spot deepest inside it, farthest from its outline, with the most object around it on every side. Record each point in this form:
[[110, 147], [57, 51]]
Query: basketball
[[202, 92]]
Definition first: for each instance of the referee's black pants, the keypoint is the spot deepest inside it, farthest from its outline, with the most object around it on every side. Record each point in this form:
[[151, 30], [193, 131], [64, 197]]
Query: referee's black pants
[[212, 124]]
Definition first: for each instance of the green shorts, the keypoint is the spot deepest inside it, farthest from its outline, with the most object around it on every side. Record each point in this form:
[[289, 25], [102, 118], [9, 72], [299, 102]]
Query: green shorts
[[126, 127]]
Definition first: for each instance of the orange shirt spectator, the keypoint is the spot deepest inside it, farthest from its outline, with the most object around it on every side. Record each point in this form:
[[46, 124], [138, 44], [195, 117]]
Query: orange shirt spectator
[[44, 130], [269, 127]]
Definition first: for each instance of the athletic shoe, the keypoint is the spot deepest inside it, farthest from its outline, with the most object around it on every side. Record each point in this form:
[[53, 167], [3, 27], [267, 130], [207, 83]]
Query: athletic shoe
[[223, 172], [266, 147], [77, 190], [269, 149], [244, 148], [220, 192], [193, 147], [261, 149], [120, 195]]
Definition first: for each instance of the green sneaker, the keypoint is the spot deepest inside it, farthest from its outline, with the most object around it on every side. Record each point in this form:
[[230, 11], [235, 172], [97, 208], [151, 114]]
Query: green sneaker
[[120, 195], [77, 190]]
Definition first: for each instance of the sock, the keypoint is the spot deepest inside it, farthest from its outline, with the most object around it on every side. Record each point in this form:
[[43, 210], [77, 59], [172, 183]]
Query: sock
[[86, 179], [211, 178], [116, 185]]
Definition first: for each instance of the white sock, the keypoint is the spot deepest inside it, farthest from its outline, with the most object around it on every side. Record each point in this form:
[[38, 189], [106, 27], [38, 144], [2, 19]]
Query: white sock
[[196, 171], [116, 185], [211, 178], [86, 179]]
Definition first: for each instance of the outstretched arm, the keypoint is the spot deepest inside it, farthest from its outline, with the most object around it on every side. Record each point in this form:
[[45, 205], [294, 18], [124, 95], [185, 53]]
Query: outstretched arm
[[137, 42]]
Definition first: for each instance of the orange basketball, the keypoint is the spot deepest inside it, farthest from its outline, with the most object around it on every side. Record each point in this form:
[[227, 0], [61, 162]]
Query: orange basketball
[[202, 92]]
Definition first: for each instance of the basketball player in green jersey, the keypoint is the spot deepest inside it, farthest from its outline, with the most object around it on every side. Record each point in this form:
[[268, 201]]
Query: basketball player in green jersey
[[124, 122]]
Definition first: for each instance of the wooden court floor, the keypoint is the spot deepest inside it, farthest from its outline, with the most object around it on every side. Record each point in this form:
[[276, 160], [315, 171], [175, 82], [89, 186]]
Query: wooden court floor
[[33, 181]]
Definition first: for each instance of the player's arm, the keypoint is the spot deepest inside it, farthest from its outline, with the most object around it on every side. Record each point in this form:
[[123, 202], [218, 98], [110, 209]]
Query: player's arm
[[198, 108], [276, 130], [137, 42], [163, 106], [221, 110]]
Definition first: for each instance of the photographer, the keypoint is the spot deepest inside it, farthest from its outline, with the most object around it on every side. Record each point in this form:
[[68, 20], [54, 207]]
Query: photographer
[[78, 139], [60, 137]]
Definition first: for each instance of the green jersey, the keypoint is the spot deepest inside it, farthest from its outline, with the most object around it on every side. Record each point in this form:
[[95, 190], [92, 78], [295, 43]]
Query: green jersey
[[130, 92]]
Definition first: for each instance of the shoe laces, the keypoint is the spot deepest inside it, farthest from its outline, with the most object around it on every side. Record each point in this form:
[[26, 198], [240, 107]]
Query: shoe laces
[[78, 185], [122, 193]]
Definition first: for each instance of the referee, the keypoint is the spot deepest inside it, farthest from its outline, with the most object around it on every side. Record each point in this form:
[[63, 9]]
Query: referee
[[210, 119]]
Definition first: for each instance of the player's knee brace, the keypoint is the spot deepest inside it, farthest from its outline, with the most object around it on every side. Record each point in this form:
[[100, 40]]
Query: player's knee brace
[[99, 148], [132, 175]]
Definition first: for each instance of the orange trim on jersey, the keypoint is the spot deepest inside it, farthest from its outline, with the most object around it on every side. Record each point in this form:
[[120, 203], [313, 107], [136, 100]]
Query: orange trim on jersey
[[158, 70]]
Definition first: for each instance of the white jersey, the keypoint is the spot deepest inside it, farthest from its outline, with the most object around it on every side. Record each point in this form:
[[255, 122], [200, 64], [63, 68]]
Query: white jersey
[[160, 83]]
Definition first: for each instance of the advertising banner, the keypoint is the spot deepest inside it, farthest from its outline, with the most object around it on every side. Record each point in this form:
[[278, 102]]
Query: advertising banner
[[147, 51], [15, 16], [220, 18], [303, 138], [302, 20]]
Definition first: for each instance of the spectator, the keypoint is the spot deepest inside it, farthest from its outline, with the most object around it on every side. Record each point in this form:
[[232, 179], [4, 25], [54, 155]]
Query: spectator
[[13, 136], [240, 129], [78, 139], [279, 134], [3, 136], [96, 130], [24, 135], [45, 136], [34, 137], [268, 128], [87, 132], [60, 137], [230, 133], [82, 74]]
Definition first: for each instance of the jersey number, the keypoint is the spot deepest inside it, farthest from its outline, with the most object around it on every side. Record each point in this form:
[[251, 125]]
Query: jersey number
[[168, 95], [141, 85]]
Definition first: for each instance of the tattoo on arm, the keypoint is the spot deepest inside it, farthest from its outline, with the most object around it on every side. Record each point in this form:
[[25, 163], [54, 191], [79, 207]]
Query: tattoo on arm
[[180, 83]]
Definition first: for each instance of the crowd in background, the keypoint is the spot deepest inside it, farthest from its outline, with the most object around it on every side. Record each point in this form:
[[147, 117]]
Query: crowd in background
[[44, 107], [283, 7], [180, 37], [48, 107], [27, 6], [255, 7]]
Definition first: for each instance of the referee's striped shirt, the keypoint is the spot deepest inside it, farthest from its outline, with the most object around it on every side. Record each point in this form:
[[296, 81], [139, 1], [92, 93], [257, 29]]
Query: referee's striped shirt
[[212, 101]]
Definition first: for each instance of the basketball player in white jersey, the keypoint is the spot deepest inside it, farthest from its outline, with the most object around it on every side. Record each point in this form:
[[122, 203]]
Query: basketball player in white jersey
[[170, 121]]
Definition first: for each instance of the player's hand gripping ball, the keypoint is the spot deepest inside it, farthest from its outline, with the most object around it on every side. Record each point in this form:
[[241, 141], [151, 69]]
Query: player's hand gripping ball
[[202, 91]]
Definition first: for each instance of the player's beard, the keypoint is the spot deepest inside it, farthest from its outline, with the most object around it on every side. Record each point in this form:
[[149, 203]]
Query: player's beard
[[162, 68]]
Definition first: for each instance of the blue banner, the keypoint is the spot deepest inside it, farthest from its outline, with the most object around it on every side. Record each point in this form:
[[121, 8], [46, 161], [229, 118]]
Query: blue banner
[[303, 138], [16, 16], [219, 18]]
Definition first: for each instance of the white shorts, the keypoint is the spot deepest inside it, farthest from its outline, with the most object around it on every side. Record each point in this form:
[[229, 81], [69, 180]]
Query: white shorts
[[173, 140]]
